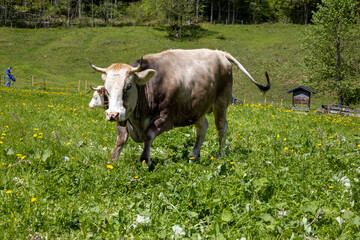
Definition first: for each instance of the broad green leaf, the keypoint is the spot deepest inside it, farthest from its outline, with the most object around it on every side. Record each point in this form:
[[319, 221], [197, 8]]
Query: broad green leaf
[[356, 220], [226, 215], [193, 214], [311, 208], [267, 217], [47, 153], [9, 151], [258, 183]]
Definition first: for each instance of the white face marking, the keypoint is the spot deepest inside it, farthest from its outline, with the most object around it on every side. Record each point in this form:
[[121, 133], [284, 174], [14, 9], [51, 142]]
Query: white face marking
[[97, 100], [114, 84]]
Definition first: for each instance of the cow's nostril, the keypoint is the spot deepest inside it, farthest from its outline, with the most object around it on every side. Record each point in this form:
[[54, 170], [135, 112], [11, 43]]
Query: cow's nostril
[[112, 116]]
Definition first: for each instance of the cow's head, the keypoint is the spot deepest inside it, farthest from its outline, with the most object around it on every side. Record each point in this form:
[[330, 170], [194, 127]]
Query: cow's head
[[120, 84], [100, 98]]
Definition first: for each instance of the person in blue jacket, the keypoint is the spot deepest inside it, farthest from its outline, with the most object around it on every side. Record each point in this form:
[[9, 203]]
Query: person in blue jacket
[[9, 77]]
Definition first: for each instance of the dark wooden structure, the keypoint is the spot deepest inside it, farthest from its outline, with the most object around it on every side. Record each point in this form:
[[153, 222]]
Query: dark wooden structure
[[338, 109], [301, 96]]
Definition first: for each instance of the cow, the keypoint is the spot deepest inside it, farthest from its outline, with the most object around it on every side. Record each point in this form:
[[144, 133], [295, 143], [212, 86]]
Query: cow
[[174, 88], [100, 98]]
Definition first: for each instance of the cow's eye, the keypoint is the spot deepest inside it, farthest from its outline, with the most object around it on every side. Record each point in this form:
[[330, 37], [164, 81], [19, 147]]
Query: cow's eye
[[128, 86]]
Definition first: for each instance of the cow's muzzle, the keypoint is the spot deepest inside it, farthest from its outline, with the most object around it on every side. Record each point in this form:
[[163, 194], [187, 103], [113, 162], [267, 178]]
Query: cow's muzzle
[[113, 116]]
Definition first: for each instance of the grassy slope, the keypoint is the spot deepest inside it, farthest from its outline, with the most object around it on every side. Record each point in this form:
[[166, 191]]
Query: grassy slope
[[59, 55], [281, 171]]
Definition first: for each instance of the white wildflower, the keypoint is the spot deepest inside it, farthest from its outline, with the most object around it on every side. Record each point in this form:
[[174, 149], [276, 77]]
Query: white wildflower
[[142, 220], [178, 230]]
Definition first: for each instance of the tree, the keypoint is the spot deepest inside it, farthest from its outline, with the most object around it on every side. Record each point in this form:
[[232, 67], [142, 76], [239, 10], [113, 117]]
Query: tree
[[332, 50], [177, 11]]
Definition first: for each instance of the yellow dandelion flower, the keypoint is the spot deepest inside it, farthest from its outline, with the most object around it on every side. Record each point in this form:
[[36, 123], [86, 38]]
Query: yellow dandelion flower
[[143, 161], [348, 209], [33, 200], [9, 191], [6, 126], [21, 139], [331, 187], [1, 142], [3, 134], [110, 167], [286, 148], [68, 143], [277, 136], [192, 158], [319, 144], [170, 155], [232, 163], [15, 219], [284, 139], [36, 129], [359, 146], [212, 158], [35, 135], [136, 177]]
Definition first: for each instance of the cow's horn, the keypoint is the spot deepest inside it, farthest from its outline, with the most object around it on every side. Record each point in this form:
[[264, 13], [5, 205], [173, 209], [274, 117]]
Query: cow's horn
[[102, 70], [92, 87], [138, 68]]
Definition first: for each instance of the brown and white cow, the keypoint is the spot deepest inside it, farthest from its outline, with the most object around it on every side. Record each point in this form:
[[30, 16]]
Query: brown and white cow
[[170, 89], [99, 98]]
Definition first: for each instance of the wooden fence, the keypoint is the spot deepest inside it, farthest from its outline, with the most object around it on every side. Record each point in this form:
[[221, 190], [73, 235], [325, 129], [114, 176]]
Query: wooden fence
[[38, 83], [338, 109]]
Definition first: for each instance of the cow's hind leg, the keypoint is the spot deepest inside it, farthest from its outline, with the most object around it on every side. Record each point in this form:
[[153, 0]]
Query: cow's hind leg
[[221, 122], [201, 128]]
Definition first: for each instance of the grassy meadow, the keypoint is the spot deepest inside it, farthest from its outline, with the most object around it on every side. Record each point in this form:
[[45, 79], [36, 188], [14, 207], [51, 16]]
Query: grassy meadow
[[285, 176], [59, 55]]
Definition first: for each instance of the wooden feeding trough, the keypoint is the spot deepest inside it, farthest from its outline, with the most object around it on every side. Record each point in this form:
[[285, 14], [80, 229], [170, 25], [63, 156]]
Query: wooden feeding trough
[[301, 98]]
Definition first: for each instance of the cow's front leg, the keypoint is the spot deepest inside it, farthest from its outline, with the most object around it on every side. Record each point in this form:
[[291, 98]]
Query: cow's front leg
[[149, 136], [201, 128], [158, 127], [122, 136]]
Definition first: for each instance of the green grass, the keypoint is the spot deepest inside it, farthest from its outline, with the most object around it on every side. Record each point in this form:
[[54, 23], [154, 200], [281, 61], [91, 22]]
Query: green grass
[[285, 175], [59, 55]]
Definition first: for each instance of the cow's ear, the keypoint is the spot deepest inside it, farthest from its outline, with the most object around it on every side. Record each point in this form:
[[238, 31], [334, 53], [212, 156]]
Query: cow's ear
[[104, 76], [102, 91], [145, 75]]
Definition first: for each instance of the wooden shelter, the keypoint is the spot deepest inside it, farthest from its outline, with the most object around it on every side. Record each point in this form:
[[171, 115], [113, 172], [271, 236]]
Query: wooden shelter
[[301, 97]]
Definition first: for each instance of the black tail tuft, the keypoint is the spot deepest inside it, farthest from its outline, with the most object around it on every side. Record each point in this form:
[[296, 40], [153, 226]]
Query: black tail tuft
[[267, 87]]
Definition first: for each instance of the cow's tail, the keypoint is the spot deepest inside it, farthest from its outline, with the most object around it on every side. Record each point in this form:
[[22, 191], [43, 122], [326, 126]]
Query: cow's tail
[[261, 87]]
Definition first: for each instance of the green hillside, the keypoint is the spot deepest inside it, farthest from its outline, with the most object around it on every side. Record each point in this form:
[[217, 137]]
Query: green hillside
[[59, 55]]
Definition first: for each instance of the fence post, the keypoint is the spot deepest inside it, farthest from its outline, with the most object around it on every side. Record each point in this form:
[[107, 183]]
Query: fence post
[[281, 103], [32, 81], [79, 86], [244, 101], [85, 86], [43, 83], [265, 102]]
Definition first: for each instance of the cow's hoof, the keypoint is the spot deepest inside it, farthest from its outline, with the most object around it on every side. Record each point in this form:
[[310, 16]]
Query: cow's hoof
[[151, 167]]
